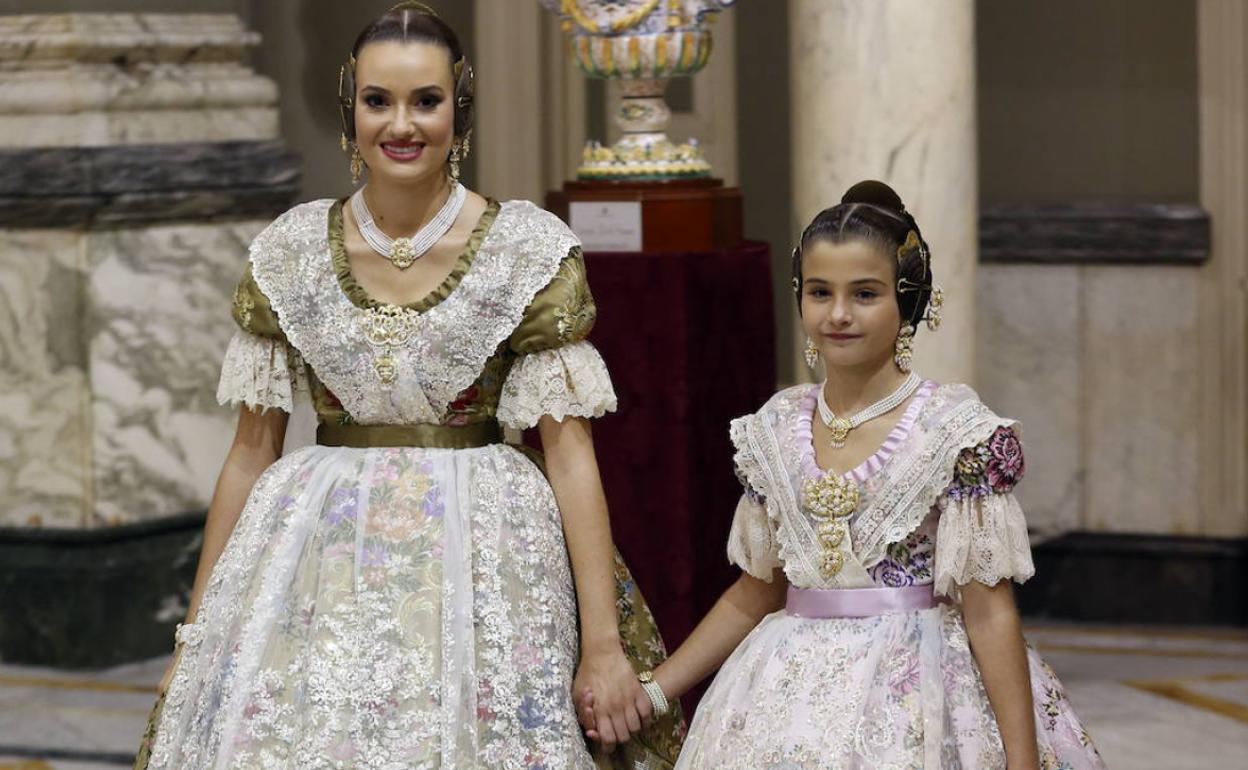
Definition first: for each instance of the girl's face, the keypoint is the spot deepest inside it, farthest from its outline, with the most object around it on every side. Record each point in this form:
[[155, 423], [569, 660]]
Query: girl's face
[[849, 307], [404, 110]]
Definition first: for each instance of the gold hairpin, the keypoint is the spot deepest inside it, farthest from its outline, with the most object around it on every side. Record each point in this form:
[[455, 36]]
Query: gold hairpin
[[905, 286]]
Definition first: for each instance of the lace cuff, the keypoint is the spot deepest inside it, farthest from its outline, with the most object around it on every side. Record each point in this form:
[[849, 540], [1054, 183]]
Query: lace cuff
[[982, 539], [260, 372], [752, 542], [570, 381]]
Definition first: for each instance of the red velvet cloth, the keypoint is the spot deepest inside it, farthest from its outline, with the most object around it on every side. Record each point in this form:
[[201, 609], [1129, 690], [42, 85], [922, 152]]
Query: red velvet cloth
[[689, 340]]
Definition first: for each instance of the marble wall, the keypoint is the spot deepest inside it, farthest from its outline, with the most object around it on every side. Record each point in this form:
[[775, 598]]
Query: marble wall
[[157, 301], [1100, 362], [45, 434], [151, 144]]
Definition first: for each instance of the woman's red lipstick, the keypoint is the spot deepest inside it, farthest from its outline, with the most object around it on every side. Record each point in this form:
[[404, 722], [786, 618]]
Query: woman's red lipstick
[[402, 151]]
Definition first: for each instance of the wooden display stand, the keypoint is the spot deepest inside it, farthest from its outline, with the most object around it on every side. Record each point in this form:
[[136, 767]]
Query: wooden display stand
[[680, 215]]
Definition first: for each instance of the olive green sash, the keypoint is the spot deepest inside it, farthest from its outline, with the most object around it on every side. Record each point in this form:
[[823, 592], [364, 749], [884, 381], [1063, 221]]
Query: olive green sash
[[428, 436]]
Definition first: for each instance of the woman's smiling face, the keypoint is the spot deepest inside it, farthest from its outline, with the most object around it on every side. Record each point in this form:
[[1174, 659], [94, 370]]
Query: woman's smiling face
[[404, 109]]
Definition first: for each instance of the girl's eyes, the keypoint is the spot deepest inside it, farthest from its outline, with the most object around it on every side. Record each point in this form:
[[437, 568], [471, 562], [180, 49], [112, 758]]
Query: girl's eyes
[[375, 100], [865, 295], [428, 102]]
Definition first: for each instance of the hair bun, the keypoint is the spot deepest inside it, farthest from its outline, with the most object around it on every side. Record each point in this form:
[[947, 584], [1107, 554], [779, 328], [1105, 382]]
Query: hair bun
[[875, 193]]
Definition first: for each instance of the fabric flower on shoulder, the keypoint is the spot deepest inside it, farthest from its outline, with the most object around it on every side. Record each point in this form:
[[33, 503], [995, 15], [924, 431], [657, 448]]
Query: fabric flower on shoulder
[[992, 466]]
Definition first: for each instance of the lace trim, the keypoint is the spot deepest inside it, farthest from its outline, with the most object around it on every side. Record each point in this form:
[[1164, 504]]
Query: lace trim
[[751, 542], [896, 500], [982, 539], [923, 469], [257, 372], [761, 461], [571, 381], [449, 344]]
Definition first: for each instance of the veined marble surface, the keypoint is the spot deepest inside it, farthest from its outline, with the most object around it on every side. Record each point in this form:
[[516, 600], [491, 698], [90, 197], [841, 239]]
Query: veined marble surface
[[109, 359], [159, 320], [45, 447]]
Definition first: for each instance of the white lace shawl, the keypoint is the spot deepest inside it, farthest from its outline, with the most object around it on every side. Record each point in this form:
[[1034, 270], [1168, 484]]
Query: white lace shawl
[[983, 539], [292, 265]]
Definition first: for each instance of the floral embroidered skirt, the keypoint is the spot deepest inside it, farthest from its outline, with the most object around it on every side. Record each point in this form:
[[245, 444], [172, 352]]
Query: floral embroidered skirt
[[390, 608], [893, 691]]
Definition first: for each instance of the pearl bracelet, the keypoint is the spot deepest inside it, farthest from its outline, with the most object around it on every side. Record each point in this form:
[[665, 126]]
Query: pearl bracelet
[[653, 692]]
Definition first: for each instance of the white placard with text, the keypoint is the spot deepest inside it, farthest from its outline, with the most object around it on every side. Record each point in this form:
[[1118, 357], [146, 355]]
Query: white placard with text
[[607, 225]]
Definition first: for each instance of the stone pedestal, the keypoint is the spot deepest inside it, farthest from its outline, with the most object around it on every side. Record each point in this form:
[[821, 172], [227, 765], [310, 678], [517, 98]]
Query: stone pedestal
[[138, 158], [885, 89]]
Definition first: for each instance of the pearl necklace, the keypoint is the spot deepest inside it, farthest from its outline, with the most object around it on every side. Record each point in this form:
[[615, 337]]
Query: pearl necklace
[[841, 426], [403, 252]]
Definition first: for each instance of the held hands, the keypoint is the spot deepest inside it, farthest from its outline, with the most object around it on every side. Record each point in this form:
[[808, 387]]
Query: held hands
[[610, 703]]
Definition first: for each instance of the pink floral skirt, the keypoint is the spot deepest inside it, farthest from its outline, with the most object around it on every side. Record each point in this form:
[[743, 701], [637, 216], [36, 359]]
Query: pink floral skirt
[[891, 691]]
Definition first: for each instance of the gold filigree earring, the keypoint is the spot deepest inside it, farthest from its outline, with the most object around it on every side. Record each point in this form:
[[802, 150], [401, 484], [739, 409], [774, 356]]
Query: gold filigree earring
[[934, 303], [812, 353], [457, 153], [357, 160], [903, 348]]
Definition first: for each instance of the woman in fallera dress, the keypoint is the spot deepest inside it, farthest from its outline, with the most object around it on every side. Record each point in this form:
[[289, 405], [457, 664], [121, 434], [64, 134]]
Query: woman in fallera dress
[[874, 624], [411, 592]]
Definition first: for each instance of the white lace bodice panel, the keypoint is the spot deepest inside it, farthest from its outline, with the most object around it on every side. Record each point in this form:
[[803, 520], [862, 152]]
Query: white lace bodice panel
[[920, 516], [393, 366]]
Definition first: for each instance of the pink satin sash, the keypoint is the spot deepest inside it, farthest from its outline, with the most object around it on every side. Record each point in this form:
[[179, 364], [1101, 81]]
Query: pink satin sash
[[859, 602]]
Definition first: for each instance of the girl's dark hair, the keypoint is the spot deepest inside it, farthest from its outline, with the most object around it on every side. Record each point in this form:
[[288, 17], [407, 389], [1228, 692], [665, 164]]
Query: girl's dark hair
[[410, 23], [871, 211]]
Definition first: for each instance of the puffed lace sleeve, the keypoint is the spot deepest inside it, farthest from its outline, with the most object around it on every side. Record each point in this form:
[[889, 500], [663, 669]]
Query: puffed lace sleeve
[[261, 370], [558, 372], [752, 543], [752, 540], [982, 534]]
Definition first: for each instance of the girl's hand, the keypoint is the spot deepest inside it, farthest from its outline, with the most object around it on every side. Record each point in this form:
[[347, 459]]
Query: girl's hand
[[610, 698]]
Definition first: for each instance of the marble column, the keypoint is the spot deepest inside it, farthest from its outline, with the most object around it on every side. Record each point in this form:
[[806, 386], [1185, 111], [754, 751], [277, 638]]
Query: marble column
[[1222, 48], [138, 157], [885, 89]]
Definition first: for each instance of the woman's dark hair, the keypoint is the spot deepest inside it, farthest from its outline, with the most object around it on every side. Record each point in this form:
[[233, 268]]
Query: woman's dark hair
[[409, 23], [871, 211]]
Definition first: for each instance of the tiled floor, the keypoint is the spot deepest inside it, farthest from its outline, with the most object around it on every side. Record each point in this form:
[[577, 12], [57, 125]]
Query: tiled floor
[[1152, 699]]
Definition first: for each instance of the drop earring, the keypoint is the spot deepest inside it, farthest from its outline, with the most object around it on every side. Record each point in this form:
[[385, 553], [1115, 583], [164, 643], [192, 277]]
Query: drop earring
[[812, 353], [357, 160], [903, 348]]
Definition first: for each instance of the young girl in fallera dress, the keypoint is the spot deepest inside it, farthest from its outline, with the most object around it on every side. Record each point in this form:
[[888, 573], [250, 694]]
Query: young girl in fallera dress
[[874, 624]]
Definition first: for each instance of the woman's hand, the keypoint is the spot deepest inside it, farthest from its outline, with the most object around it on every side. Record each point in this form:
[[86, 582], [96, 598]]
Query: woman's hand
[[610, 703]]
